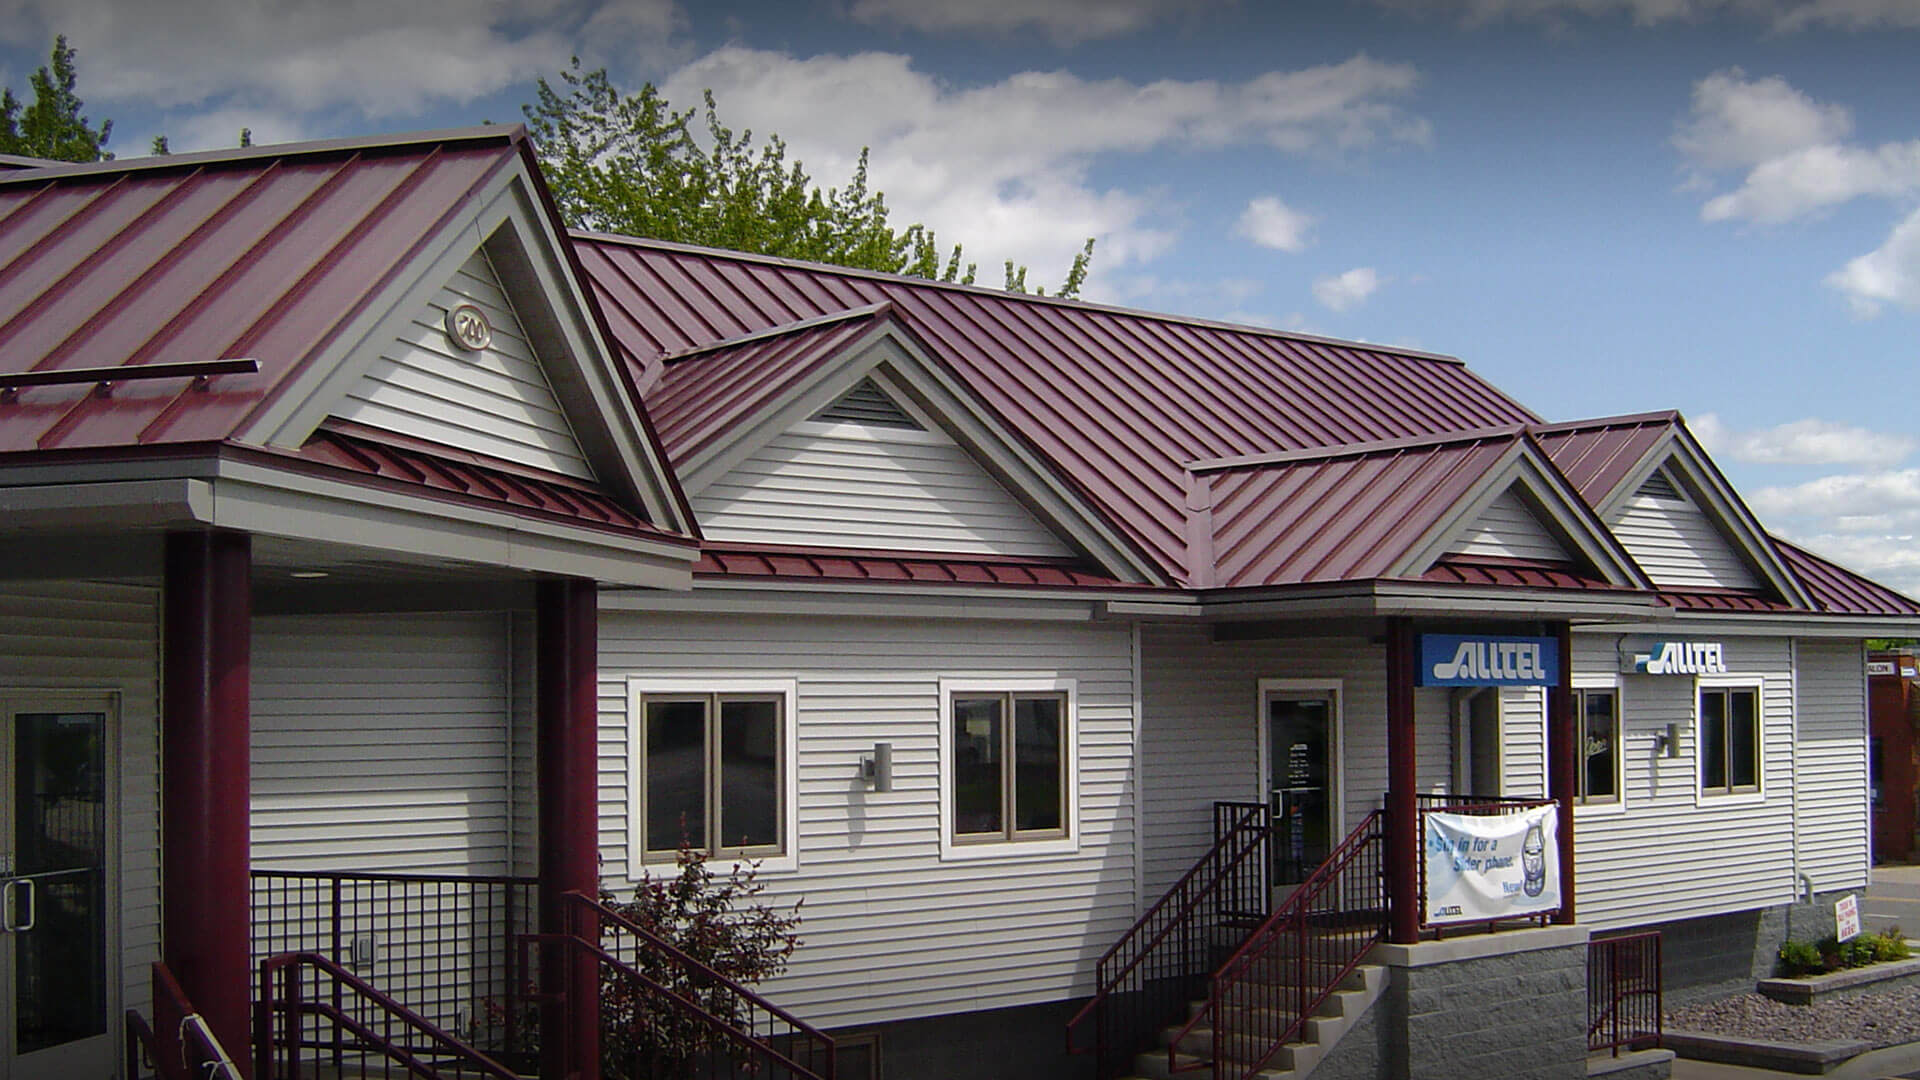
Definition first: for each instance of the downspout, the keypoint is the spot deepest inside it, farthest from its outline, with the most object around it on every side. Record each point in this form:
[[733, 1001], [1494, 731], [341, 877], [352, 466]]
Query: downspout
[[1800, 877], [1139, 786]]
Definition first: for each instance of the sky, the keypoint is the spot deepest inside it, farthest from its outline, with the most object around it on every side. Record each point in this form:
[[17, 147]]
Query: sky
[[1602, 206]]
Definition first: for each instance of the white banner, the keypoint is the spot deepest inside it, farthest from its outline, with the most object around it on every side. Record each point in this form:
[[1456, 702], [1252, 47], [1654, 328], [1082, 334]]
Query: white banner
[[1492, 867]]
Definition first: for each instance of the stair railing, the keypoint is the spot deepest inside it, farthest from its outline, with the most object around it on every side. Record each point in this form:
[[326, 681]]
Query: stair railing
[[1160, 964], [1261, 998], [316, 1018], [179, 1045], [697, 1022]]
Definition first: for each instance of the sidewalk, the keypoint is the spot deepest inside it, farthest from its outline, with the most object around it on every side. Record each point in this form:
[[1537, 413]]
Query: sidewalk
[[1894, 1061]]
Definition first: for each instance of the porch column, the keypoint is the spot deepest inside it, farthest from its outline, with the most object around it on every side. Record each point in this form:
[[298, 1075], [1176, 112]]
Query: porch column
[[1562, 761], [1403, 834], [567, 674], [204, 745]]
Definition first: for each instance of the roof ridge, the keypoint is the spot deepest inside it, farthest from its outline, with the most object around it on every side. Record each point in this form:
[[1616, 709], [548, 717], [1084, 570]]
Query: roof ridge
[[1032, 298], [1625, 420], [817, 321], [506, 134], [1357, 449]]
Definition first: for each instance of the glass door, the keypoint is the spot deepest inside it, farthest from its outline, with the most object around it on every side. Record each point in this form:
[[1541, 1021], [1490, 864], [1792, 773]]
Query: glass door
[[54, 839], [1301, 781]]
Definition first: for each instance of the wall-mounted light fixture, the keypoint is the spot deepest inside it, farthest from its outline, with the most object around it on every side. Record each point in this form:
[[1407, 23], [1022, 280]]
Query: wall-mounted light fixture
[[1667, 743], [877, 768]]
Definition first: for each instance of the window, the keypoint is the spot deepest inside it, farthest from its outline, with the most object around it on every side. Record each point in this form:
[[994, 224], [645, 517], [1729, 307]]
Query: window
[[1006, 768], [1729, 739], [711, 768], [1597, 718]]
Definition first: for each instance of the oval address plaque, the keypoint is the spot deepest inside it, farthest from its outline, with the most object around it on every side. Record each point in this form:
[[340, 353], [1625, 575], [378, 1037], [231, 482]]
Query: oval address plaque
[[467, 326]]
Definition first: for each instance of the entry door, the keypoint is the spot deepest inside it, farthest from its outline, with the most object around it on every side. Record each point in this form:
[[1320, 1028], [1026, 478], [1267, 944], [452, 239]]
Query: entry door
[[1302, 779], [54, 905]]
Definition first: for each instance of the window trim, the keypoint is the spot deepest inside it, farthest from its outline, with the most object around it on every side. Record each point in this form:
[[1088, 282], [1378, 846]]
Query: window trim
[[954, 849], [639, 688], [1731, 796], [1616, 686]]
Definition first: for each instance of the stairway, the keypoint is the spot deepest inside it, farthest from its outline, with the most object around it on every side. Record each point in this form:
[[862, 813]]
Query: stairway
[[1892, 899], [1336, 1016]]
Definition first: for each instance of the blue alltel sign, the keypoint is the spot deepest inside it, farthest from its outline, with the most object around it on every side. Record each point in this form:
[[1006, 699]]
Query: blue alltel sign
[[1482, 660]]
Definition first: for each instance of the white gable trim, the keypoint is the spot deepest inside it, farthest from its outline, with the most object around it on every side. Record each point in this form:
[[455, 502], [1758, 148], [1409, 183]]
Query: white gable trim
[[1694, 473], [1509, 527], [1541, 488], [895, 362], [509, 223]]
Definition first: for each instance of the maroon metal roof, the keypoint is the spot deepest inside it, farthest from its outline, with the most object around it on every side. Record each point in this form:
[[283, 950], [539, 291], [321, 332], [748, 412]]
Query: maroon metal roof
[[1116, 401], [699, 395], [263, 254], [1515, 573], [385, 464], [1596, 455], [1839, 591], [743, 561], [1341, 516]]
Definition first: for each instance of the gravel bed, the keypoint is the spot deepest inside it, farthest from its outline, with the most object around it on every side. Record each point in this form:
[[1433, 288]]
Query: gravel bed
[[1881, 1019]]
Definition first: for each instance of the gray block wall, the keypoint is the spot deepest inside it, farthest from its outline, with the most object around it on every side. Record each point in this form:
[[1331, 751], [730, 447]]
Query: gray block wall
[[1718, 956], [1509, 1006]]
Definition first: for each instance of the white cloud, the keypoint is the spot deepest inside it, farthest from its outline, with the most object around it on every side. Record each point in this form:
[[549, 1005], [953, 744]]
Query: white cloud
[[1818, 177], [1273, 224], [1065, 21], [375, 57], [1347, 290], [1741, 122], [1779, 15], [1887, 274], [1894, 492], [1004, 167], [1889, 557], [1804, 442]]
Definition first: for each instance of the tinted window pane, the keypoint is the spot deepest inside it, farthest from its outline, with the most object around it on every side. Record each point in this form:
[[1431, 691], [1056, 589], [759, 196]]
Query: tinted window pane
[[1601, 746], [1036, 764], [749, 774], [1713, 739], [59, 842], [977, 753], [676, 774], [1743, 738]]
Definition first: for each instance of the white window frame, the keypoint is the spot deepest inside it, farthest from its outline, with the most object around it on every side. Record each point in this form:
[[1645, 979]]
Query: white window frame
[[1732, 681], [1615, 685], [639, 861], [952, 850]]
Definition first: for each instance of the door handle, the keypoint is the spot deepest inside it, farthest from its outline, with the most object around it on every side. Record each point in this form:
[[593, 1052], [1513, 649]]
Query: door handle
[[10, 896]]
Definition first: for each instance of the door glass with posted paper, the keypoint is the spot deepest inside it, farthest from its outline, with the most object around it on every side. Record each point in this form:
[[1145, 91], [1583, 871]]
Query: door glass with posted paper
[[1491, 867]]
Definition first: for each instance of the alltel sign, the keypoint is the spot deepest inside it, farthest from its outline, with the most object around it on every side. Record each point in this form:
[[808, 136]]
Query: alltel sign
[[1456, 660]]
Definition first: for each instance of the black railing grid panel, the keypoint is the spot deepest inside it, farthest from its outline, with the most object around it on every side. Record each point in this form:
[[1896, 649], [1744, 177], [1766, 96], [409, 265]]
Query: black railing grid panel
[[1625, 993]]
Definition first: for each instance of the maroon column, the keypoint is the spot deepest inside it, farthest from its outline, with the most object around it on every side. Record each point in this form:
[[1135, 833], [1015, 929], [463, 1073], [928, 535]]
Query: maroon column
[[1562, 760], [205, 641], [1403, 832], [567, 674]]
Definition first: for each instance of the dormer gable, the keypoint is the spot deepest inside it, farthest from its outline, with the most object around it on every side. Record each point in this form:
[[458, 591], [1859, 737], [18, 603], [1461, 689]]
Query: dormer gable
[[1510, 528]]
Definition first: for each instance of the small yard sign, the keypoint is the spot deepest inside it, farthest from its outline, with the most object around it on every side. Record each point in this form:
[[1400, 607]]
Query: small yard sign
[[1846, 916]]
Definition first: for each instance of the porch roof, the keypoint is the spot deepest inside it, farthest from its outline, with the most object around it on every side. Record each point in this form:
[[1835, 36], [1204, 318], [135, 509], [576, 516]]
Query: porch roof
[[741, 562]]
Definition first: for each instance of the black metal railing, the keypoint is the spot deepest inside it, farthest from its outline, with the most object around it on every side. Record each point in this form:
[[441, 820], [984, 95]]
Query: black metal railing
[[1161, 963], [440, 945], [1625, 998], [1474, 805], [178, 1045], [665, 1015], [1260, 999], [315, 1018]]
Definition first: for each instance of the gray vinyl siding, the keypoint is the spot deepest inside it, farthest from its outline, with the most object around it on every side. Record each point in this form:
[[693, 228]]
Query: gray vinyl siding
[[1831, 761], [1678, 546], [87, 636], [891, 930], [1200, 733], [381, 743], [495, 402], [1523, 742], [850, 485], [1672, 854], [1507, 529]]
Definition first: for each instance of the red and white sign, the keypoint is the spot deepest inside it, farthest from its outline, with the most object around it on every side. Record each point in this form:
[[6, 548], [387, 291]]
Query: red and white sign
[[1846, 916]]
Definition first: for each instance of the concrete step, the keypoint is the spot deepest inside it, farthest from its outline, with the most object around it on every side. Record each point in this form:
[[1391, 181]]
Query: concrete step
[[1322, 1031]]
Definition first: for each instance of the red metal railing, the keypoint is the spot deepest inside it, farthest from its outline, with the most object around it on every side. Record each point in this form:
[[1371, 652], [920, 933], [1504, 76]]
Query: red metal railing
[[1260, 999], [666, 1014], [1625, 998], [182, 1047], [314, 1017], [1479, 806], [1149, 976]]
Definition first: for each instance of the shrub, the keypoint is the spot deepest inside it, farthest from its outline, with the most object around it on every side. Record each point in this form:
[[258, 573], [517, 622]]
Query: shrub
[[1801, 958], [1832, 954]]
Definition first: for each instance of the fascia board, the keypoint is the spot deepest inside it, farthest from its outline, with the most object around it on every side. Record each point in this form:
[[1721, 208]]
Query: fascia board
[[115, 504], [1415, 598], [1847, 627], [271, 502], [709, 601]]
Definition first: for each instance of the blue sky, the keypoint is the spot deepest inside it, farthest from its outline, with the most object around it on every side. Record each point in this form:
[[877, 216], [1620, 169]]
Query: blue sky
[[1604, 206]]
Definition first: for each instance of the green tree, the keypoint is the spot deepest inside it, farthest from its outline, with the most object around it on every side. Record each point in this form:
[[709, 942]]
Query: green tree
[[52, 127], [632, 164]]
